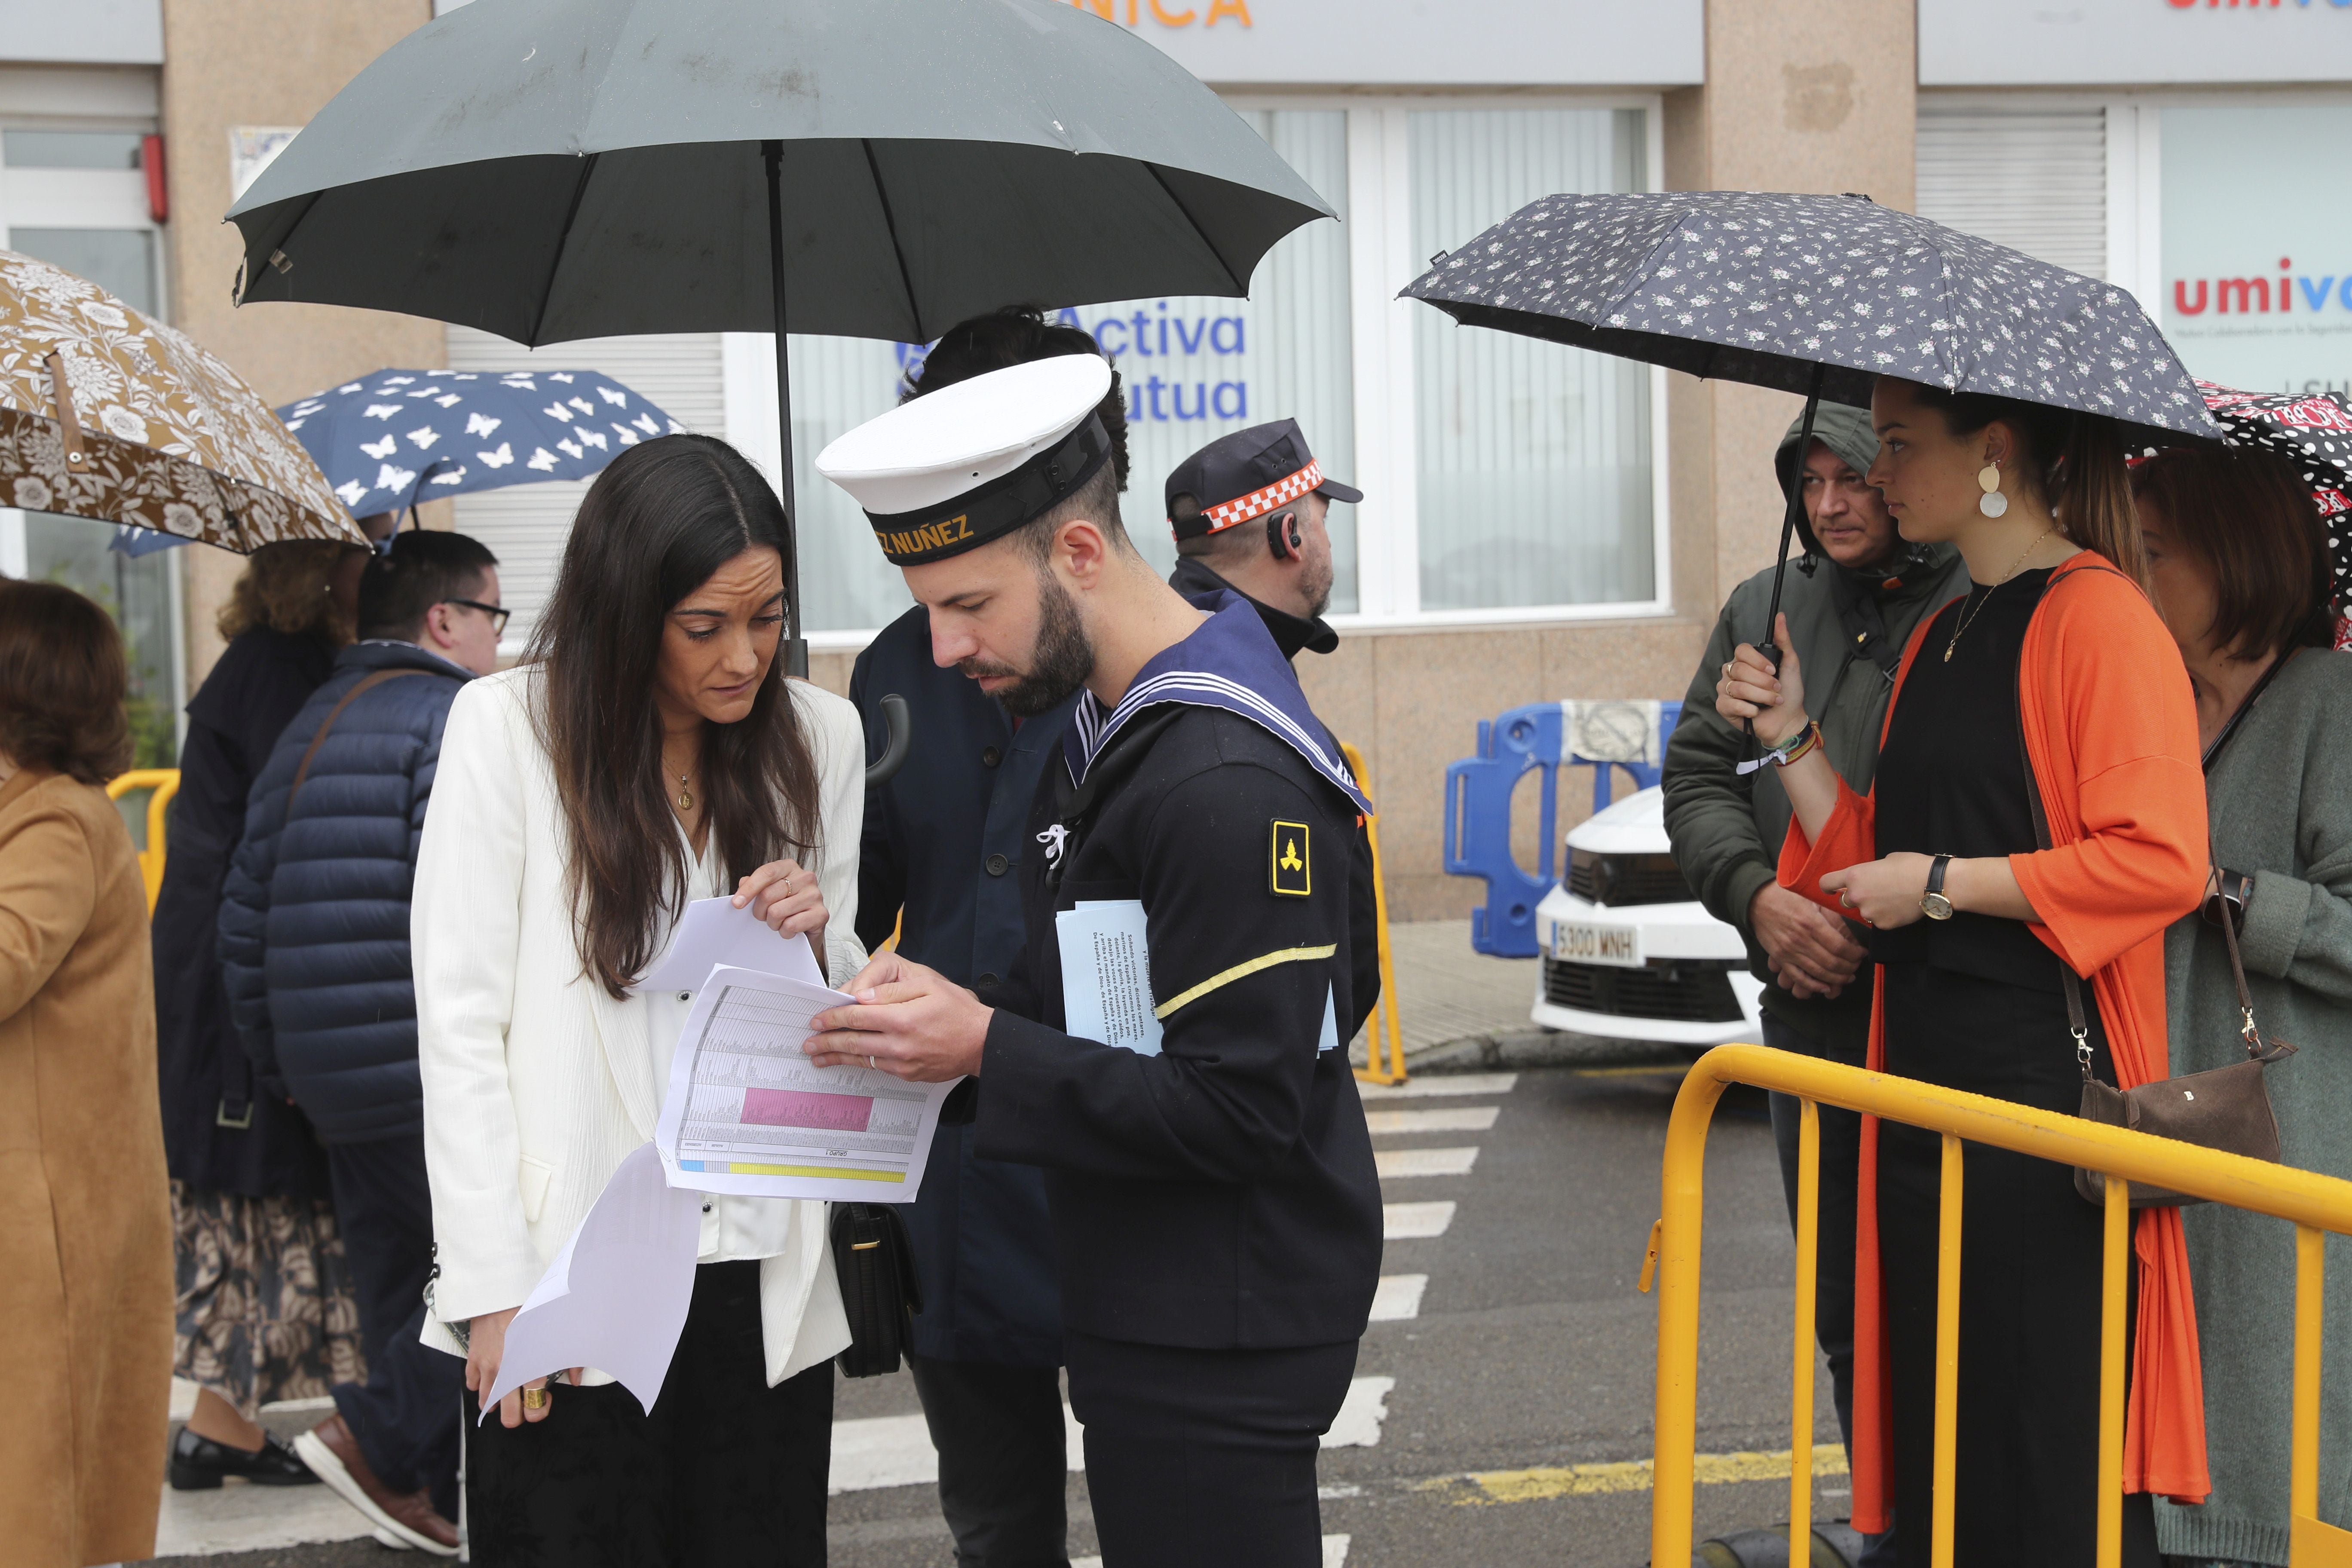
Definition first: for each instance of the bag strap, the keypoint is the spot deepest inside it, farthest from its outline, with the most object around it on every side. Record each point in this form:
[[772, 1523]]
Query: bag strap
[[2077, 1024], [303, 771]]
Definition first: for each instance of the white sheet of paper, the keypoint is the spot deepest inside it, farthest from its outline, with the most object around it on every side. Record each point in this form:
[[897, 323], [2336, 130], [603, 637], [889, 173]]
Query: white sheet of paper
[[616, 1296], [715, 931], [748, 1114], [1107, 975]]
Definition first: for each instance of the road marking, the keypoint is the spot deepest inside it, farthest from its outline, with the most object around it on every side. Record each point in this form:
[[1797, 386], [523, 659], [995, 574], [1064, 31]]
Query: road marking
[[241, 1517], [880, 1451], [1415, 1222], [1335, 1554], [1397, 1297], [1439, 1083], [1628, 1476], [1358, 1425], [1678, 1069], [1451, 1119], [1398, 1163]]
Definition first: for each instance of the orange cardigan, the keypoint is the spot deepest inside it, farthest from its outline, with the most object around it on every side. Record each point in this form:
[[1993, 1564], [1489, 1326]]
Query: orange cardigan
[[2111, 730]]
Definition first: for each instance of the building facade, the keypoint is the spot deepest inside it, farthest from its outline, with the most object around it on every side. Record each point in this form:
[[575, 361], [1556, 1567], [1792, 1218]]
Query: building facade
[[1538, 523]]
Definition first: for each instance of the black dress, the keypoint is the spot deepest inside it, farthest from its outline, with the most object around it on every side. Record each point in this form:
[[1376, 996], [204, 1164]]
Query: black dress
[[1975, 1003]]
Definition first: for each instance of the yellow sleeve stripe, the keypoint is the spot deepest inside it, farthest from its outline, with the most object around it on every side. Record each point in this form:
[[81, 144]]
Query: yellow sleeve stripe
[[1242, 972]]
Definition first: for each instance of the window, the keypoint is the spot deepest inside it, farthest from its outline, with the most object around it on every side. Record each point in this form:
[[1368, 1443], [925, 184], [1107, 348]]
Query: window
[[2032, 179], [1533, 460]]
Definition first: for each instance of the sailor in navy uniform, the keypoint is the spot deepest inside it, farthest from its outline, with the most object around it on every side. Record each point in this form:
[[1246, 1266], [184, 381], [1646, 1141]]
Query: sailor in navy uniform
[[1215, 1205]]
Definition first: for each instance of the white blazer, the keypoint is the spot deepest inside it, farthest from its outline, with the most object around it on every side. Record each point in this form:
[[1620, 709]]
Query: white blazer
[[537, 1082]]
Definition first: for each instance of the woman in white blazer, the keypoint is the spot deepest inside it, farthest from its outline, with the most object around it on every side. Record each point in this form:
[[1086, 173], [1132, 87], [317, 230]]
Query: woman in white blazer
[[648, 752]]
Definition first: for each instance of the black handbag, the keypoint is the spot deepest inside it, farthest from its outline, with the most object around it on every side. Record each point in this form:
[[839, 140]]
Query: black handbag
[[2228, 1109], [875, 1263]]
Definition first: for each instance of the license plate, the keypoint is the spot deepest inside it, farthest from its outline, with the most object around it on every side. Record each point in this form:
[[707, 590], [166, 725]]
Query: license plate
[[1581, 941]]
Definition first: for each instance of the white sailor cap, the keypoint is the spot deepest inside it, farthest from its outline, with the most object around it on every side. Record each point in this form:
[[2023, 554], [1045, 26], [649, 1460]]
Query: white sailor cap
[[952, 470]]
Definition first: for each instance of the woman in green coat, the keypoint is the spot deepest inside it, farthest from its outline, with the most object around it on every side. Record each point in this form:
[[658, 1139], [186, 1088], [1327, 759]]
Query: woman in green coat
[[2237, 564]]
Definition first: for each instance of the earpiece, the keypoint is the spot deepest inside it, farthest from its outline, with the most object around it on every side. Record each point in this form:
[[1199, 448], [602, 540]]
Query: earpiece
[[1282, 536]]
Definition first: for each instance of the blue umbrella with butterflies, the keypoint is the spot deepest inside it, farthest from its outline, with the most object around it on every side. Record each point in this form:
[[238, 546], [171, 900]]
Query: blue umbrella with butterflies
[[390, 439], [399, 436]]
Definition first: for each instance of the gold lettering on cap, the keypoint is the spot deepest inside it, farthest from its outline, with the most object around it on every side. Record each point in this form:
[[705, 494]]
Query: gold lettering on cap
[[931, 536]]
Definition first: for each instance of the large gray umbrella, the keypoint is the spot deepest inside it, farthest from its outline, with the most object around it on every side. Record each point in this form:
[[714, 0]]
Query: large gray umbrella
[[548, 170]]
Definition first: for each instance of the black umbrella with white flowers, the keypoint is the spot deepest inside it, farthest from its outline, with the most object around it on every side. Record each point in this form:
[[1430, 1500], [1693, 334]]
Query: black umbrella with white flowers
[[1814, 294]]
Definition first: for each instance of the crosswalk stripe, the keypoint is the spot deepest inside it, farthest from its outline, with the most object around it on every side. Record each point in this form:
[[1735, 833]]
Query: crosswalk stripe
[[1392, 1164], [1335, 1554], [1415, 1222], [1451, 1083], [1451, 1119], [877, 1451], [1397, 1297]]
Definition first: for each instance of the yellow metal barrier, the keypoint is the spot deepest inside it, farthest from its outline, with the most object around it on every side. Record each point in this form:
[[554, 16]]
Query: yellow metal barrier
[[2316, 1204], [1383, 1028], [162, 783]]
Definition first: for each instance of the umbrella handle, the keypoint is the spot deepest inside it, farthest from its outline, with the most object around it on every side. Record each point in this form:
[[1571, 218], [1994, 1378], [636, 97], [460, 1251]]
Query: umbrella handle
[[68, 428]]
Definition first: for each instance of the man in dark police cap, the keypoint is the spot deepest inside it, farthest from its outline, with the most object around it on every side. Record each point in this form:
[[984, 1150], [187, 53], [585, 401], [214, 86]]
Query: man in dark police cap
[[1248, 511], [1215, 1210]]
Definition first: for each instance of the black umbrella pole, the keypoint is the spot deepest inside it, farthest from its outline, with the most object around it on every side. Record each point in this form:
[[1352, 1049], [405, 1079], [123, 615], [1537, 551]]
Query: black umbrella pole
[[1766, 646], [795, 645]]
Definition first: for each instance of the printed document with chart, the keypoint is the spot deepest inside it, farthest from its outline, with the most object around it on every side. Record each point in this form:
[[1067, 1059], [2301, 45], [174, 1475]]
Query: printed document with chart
[[747, 1113]]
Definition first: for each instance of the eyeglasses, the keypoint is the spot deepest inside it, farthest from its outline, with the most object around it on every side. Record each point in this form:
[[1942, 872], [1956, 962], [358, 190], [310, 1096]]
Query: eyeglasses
[[497, 616]]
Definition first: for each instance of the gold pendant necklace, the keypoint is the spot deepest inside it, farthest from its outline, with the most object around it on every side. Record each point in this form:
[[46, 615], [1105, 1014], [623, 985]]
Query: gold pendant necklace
[[1969, 618], [685, 796]]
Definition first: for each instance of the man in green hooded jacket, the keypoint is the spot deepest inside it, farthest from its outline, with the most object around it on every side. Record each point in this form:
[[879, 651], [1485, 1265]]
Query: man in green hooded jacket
[[1852, 602]]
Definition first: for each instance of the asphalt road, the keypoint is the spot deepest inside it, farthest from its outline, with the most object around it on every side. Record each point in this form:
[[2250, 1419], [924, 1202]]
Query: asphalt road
[[1521, 1386]]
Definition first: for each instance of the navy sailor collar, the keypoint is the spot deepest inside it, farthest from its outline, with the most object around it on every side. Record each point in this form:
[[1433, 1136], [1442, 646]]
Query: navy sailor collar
[[1231, 662]]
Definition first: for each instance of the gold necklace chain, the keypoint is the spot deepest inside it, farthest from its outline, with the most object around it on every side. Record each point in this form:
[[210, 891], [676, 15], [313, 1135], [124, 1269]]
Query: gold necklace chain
[[2005, 578]]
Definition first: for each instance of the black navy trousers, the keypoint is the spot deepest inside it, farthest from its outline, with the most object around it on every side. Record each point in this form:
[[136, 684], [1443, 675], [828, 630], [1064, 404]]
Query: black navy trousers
[[405, 1417], [1004, 1459], [725, 1472], [1200, 1456]]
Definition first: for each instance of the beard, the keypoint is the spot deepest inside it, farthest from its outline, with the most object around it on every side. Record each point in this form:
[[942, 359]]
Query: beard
[[1315, 586], [1062, 659]]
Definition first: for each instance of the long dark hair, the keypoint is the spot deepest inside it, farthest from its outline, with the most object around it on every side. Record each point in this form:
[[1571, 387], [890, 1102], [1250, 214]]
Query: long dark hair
[[656, 525], [2073, 461]]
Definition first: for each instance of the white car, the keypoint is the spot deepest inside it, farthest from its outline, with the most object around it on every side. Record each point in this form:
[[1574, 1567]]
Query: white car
[[1627, 951]]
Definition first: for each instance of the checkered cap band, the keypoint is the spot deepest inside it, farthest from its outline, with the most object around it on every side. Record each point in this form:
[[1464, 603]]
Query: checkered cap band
[[1258, 502]]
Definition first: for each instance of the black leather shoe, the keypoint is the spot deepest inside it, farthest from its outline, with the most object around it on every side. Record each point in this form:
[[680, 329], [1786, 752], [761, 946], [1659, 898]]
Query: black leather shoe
[[199, 1464]]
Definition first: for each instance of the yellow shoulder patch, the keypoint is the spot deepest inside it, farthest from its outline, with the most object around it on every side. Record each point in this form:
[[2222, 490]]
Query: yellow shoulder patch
[[1288, 856]]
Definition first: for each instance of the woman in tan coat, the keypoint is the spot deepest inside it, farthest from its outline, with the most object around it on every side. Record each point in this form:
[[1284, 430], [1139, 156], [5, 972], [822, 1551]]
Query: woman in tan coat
[[85, 1214]]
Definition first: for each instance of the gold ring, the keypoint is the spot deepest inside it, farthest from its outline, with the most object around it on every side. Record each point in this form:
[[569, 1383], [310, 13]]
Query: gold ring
[[869, 1062], [534, 1398]]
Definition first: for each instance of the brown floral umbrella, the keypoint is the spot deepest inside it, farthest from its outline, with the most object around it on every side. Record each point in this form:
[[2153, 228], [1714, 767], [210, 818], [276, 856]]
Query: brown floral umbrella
[[106, 416]]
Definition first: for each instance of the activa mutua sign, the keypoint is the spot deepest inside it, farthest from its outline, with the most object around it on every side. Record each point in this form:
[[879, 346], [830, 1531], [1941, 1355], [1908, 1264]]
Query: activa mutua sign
[[2096, 43]]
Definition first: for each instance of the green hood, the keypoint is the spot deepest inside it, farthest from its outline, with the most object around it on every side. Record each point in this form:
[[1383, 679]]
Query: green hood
[[1847, 432]]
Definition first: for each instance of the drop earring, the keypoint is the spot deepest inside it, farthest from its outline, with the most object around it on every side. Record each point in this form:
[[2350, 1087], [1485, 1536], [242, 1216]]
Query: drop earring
[[1992, 504]]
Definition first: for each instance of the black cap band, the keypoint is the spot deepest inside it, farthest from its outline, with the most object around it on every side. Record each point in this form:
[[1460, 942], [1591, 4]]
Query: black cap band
[[997, 508]]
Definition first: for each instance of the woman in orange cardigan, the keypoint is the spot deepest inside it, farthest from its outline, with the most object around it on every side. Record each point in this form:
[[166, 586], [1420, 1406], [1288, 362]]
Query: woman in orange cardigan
[[2055, 657]]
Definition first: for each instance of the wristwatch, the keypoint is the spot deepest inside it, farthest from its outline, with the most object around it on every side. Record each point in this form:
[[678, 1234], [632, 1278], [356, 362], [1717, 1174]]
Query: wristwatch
[[1932, 903]]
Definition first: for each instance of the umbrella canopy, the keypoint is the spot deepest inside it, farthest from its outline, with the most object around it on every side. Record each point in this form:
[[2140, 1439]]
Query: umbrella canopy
[[1814, 294], [2312, 431], [549, 170], [390, 439], [557, 169], [106, 416]]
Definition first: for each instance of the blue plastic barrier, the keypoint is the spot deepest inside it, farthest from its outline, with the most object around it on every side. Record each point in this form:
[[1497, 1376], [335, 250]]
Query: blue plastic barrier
[[1478, 816]]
